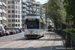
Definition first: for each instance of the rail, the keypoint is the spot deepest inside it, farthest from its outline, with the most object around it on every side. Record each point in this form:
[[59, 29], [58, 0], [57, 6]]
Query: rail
[[69, 39]]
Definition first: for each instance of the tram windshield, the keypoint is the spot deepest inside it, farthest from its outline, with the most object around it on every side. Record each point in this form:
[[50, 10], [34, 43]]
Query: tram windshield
[[32, 24]]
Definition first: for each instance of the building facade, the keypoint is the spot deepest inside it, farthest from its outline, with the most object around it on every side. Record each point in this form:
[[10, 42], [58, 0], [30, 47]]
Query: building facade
[[14, 14], [3, 16], [18, 9], [29, 7]]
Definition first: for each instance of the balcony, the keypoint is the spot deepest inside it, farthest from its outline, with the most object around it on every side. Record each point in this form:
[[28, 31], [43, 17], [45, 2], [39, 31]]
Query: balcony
[[23, 6], [24, 10], [23, 2], [4, 4], [29, 1], [23, 14]]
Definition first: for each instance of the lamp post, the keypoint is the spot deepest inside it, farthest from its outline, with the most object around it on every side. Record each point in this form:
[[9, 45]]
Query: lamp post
[[60, 17]]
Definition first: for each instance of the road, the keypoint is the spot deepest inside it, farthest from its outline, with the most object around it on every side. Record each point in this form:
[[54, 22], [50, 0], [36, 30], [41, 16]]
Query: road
[[50, 41]]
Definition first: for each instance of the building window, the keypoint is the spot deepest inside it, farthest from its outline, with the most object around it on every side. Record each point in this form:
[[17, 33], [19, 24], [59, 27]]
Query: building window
[[9, 11], [13, 20], [18, 12], [18, 20], [13, 16], [18, 25], [22, 16], [9, 2], [4, 1], [9, 6], [9, 20], [9, 25], [13, 25], [22, 25], [18, 3], [18, 16], [13, 11], [0, 14], [0, 6], [0, 21], [12, 2], [13, 6], [4, 14], [18, 7], [15, 2], [9, 16]]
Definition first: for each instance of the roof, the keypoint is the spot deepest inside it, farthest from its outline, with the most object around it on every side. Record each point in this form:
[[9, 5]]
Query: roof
[[32, 17]]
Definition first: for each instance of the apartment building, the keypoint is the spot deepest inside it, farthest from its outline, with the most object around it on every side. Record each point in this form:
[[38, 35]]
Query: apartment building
[[42, 12], [14, 14], [29, 7], [32, 7], [18, 9], [3, 18], [23, 13]]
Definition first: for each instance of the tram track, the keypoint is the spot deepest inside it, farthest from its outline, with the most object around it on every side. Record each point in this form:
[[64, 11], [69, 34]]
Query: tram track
[[38, 41], [43, 43], [11, 45], [29, 43]]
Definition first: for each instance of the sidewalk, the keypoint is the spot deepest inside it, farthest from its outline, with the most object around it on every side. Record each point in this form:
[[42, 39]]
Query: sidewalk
[[55, 43]]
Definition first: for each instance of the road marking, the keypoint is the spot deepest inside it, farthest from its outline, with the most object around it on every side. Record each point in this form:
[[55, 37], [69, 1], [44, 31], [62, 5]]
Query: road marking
[[9, 44], [6, 42]]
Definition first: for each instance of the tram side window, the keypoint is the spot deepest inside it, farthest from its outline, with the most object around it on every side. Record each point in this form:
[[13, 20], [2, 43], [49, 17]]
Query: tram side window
[[42, 26]]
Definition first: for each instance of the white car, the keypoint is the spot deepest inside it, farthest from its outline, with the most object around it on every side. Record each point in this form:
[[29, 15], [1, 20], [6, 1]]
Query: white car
[[2, 30], [7, 32]]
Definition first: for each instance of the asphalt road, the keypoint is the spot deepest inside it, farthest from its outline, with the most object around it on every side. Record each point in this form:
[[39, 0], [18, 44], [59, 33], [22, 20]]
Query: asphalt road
[[50, 41], [12, 37]]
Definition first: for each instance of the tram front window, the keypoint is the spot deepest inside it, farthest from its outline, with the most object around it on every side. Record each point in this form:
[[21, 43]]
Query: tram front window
[[32, 24]]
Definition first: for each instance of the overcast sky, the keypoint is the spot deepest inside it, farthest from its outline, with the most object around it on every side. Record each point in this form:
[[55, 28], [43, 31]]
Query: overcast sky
[[42, 1]]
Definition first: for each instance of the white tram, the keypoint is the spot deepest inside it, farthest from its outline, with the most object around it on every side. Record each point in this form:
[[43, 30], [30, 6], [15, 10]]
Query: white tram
[[34, 27]]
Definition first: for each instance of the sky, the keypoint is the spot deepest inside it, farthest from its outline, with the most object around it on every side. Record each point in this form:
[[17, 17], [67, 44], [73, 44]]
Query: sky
[[42, 1]]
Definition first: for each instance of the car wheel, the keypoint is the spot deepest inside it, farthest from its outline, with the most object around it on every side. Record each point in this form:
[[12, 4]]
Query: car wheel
[[6, 34]]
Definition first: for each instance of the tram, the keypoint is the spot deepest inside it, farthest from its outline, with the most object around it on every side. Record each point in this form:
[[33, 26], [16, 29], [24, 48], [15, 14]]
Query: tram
[[50, 28], [34, 27]]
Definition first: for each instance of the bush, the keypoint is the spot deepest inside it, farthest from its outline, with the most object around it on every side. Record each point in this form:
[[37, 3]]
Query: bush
[[72, 30]]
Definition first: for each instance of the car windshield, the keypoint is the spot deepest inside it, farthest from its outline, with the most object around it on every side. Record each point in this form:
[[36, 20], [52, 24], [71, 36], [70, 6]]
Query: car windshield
[[10, 30], [14, 30], [0, 28]]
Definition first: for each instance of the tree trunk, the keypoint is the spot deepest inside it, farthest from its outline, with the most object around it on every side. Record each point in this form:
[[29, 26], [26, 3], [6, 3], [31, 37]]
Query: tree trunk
[[73, 25]]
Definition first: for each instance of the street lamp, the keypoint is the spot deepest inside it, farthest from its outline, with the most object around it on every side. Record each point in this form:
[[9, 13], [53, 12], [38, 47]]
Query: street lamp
[[60, 17]]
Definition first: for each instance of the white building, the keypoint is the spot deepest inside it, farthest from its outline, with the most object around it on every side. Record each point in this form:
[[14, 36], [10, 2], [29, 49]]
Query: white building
[[14, 15], [3, 18]]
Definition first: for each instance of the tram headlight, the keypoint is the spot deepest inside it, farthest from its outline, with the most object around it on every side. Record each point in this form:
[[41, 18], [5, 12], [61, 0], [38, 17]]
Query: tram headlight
[[27, 33], [34, 33]]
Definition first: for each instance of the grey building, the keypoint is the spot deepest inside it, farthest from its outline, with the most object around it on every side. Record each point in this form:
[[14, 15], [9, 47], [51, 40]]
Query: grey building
[[3, 18], [18, 9], [14, 14], [29, 7]]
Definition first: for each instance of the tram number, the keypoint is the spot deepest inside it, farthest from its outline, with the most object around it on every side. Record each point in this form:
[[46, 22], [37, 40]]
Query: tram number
[[31, 32]]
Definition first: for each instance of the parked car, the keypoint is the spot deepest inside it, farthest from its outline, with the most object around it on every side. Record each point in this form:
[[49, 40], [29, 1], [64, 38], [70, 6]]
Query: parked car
[[2, 30], [17, 31], [11, 31], [14, 31], [7, 32], [20, 30]]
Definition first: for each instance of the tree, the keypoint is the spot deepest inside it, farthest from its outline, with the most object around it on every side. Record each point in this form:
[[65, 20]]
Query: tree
[[54, 7], [70, 9]]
